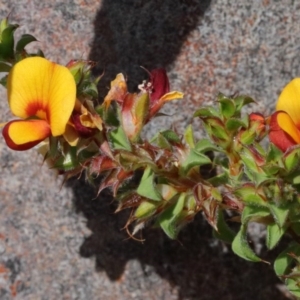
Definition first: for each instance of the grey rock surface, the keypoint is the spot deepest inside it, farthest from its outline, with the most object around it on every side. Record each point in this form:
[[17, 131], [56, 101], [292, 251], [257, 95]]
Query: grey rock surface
[[58, 242]]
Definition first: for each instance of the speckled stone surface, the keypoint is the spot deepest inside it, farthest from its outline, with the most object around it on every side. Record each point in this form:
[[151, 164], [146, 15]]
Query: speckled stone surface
[[57, 242]]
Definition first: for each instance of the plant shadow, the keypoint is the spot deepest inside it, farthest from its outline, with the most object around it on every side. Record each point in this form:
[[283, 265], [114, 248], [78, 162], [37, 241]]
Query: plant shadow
[[130, 34], [196, 263], [134, 33]]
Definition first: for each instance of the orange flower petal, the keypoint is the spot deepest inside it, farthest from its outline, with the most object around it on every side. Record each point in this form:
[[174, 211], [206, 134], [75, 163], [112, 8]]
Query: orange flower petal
[[118, 90], [22, 135], [71, 135], [289, 100], [171, 96], [38, 87]]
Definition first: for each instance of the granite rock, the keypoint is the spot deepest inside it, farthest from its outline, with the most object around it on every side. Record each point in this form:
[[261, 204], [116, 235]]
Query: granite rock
[[59, 241]]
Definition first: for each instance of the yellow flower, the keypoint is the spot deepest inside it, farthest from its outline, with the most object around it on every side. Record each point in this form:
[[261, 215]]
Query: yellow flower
[[42, 94], [284, 124]]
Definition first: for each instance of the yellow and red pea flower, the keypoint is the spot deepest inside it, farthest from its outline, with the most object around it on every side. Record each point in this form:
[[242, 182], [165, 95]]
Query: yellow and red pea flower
[[284, 124], [42, 94]]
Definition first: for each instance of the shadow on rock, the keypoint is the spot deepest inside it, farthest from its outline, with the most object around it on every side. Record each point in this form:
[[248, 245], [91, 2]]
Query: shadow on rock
[[134, 33], [195, 262]]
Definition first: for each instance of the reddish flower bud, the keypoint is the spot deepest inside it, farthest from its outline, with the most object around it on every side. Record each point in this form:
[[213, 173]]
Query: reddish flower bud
[[81, 130], [160, 84]]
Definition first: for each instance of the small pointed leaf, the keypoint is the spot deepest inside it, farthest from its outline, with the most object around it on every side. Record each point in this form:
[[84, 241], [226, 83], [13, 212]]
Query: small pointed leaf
[[167, 220], [279, 214], [204, 112], [227, 107], [147, 188], [250, 196], [205, 145], [241, 247], [242, 100], [224, 233], [119, 139], [293, 287], [254, 214], [234, 124], [7, 42], [145, 209], [274, 234], [171, 136], [189, 136], [195, 158], [284, 260], [24, 41]]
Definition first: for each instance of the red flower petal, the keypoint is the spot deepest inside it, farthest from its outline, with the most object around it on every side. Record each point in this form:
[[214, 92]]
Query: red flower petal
[[160, 84], [278, 136], [22, 135]]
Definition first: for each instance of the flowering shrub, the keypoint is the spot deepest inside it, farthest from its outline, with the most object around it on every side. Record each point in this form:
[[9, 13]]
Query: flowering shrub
[[56, 113]]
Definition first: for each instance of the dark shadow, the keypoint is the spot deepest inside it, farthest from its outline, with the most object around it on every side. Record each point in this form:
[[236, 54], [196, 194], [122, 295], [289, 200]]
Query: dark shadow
[[134, 33], [128, 34], [196, 262]]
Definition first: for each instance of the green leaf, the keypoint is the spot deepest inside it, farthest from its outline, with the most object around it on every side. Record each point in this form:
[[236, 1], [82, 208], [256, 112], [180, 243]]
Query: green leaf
[[224, 232], [162, 142], [292, 160], [218, 180], [279, 214], [4, 67], [109, 116], [227, 107], [167, 220], [7, 42], [133, 161], [293, 287], [195, 158], [274, 234], [141, 108], [3, 25], [145, 209], [250, 196], [241, 247], [234, 124], [24, 41], [119, 139], [283, 262], [189, 136], [254, 214], [248, 137], [68, 162], [208, 111], [90, 89], [274, 153], [241, 101], [147, 188], [39, 53], [216, 128], [171, 136], [205, 145], [3, 81]]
